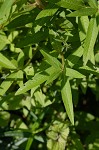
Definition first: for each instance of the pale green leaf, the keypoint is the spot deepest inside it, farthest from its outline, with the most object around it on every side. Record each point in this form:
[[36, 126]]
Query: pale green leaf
[[6, 63], [90, 40], [73, 73], [47, 12], [3, 40], [83, 12], [67, 98], [70, 4]]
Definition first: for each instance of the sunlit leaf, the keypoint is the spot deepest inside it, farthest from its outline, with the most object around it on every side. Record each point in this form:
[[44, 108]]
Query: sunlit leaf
[[90, 41], [5, 62], [67, 98]]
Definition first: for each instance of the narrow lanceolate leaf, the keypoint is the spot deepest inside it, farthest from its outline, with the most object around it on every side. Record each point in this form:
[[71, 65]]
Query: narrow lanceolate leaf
[[70, 4], [3, 40], [51, 60], [73, 73], [83, 12], [38, 79], [67, 98], [6, 63], [73, 58], [53, 76], [83, 23], [5, 10], [90, 41]]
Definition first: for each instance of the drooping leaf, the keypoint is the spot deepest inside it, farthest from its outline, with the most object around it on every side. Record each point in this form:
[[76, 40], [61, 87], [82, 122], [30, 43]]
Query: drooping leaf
[[6, 63], [67, 98], [90, 41]]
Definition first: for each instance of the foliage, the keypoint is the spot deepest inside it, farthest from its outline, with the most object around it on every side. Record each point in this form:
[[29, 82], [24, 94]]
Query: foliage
[[49, 69]]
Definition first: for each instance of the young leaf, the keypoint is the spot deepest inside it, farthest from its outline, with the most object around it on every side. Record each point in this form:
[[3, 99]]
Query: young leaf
[[83, 12], [51, 60], [67, 98], [4, 62], [90, 40]]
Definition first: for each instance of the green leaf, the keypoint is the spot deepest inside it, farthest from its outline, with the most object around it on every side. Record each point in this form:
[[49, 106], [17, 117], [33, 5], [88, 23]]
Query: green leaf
[[38, 79], [21, 21], [53, 76], [93, 3], [83, 12], [49, 11], [70, 4], [5, 10], [51, 60], [7, 83], [3, 40], [83, 23], [73, 73], [6, 63], [73, 58], [32, 39], [90, 41], [67, 98]]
